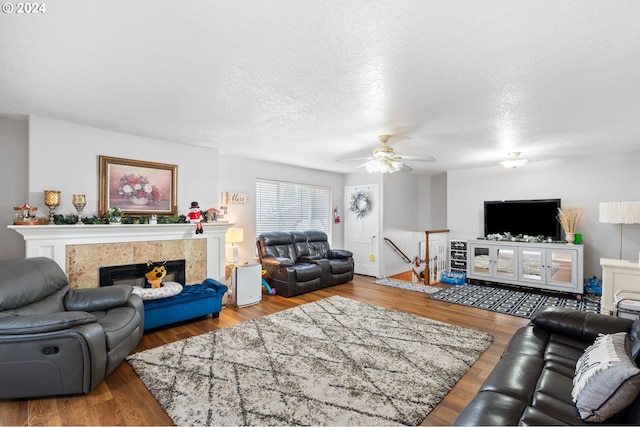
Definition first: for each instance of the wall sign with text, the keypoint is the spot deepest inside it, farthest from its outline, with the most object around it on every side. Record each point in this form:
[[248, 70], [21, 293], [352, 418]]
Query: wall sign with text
[[234, 198]]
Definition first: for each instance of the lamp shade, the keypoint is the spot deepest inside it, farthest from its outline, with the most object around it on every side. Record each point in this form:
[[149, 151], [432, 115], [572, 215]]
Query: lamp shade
[[620, 212], [234, 235]]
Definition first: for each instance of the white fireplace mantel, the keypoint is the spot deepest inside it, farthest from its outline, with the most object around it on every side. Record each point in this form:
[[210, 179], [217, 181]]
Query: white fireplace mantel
[[51, 240]]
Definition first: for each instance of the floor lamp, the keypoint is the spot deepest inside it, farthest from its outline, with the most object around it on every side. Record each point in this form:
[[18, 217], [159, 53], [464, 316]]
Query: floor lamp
[[620, 213]]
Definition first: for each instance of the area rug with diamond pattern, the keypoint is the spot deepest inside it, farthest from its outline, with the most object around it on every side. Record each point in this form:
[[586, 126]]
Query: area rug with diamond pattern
[[334, 361], [510, 301]]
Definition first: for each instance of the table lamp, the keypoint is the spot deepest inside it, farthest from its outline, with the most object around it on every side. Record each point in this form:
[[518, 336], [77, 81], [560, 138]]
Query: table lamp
[[233, 236]]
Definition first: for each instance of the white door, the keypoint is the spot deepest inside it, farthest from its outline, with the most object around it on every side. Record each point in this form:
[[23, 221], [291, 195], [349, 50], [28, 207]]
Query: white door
[[362, 227]]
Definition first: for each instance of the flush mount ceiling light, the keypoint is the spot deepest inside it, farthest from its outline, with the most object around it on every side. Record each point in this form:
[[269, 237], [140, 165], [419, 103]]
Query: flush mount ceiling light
[[514, 160]]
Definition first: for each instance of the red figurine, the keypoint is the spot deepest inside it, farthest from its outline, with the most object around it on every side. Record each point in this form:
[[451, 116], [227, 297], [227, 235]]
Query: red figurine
[[195, 217]]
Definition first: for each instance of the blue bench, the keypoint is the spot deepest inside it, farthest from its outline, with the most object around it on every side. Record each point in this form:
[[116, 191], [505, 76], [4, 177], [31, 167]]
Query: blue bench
[[194, 301]]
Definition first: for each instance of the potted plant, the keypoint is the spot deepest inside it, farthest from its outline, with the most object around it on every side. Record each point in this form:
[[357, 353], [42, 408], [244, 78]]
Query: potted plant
[[115, 215]]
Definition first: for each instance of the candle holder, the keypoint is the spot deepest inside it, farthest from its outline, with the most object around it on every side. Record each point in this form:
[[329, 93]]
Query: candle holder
[[79, 201], [52, 200]]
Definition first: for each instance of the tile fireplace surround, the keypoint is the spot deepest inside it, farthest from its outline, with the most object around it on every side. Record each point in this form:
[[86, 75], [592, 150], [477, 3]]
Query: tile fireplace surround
[[81, 249]]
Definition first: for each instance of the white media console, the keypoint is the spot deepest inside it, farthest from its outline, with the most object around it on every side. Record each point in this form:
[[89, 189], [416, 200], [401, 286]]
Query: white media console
[[550, 266]]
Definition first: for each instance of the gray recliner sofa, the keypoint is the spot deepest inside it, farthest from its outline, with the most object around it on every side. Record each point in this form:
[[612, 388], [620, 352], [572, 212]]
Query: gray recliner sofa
[[59, 341]]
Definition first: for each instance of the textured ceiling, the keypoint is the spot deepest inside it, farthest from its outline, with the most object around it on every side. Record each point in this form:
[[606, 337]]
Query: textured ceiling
[[312, 82]]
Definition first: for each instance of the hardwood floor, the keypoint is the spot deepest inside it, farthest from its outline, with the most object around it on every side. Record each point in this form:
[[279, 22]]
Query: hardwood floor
[[122, 399]]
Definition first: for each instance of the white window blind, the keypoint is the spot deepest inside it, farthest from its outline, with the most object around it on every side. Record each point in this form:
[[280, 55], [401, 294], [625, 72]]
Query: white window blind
[[287, 206]]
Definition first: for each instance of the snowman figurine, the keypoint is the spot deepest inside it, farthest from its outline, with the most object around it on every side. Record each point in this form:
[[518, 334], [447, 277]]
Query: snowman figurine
[[194, 216]]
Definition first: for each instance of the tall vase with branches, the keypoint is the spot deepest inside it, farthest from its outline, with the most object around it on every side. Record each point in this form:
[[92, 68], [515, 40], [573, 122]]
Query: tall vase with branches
[[569, 219]]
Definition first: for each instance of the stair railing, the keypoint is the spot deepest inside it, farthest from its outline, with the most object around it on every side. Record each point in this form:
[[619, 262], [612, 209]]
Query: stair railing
[[436, 256], [404, 257], [397, 250]]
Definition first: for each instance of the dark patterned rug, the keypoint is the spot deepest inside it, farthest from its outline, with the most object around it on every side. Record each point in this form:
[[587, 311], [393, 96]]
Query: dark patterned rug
[[510, 301], [331, 362]]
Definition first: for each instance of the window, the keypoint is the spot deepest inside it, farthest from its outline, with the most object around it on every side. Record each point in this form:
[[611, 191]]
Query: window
[[286, 206]]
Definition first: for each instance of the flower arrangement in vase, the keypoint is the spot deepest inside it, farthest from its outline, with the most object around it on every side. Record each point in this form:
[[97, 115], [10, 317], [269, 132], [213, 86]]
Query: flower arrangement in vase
[[138, 190], [569, 219]]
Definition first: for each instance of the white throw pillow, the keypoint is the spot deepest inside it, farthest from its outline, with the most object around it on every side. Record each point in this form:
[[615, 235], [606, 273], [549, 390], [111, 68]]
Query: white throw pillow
[[168, 289], [606, 378]]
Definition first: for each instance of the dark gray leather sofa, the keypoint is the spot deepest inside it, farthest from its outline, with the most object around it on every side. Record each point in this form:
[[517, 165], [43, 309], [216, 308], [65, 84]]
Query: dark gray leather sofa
[[532, 382], [58, 341], [302, 261]]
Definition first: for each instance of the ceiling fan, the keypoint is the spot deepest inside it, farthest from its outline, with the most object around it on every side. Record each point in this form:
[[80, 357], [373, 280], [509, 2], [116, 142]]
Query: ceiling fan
[[386, 160]]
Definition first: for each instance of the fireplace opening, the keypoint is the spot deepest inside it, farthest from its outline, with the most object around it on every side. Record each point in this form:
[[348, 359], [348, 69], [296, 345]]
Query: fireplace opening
[[133, 274]]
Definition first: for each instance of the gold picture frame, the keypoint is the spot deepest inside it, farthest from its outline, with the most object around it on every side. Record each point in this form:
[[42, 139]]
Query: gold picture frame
[[137, 187]]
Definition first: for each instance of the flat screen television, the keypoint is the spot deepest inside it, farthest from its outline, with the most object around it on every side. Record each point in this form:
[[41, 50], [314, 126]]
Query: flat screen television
[[526, 217]]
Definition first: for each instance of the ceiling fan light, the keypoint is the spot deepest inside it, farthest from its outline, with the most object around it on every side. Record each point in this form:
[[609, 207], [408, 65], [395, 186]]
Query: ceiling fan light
[[383, 166], [386, 160], [371, 167], [384, 152]]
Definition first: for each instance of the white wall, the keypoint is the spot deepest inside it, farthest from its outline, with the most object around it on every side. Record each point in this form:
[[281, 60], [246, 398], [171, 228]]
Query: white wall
[[238, 175], [363, 179], [44, 154], [64, 156], [410, 206], [406, 212], [401, 219], [433, 202], [400, 201], [13, 172], [580, 182]]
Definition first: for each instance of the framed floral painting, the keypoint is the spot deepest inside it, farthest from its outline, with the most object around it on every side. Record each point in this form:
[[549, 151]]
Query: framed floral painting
[[137, 187]]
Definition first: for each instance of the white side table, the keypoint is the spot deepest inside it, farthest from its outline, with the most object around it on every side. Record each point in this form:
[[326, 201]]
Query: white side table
[[617, 275]]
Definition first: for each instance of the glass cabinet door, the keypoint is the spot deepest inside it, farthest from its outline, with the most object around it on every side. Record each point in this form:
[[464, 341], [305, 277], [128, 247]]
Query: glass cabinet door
[[561, 266], [505, 262], [555, 267], [480, 262], [532, 261]]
